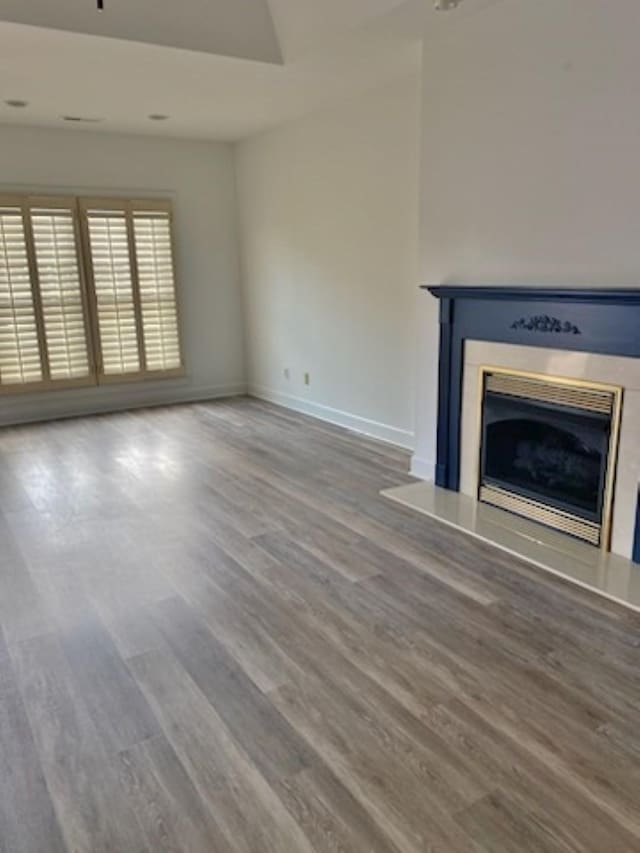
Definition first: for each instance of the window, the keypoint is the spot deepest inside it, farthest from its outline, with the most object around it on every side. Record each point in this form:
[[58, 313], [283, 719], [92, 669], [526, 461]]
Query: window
[[61, 293], [87, 292], [156, 285], [118, 338], [20, 355]]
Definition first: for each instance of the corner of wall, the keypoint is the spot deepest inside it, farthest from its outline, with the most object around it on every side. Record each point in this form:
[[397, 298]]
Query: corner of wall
[[423, 469]]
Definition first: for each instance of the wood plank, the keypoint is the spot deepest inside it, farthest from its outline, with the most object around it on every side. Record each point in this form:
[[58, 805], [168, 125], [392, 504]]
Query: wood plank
[[246, 807], [264, 735], [497, 823], [402, 803], [81, 779], [530, 782], [166, 802], [28, 823], [244, 637], [353, 623], [23, 614], [120, 712], [330, 815]]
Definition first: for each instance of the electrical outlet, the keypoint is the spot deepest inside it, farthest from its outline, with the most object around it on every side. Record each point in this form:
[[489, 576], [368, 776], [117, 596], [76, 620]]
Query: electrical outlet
[[307, 379], [287, 373]]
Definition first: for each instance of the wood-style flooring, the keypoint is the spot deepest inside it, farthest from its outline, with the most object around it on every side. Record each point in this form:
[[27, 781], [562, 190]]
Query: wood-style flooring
[[217, 636]]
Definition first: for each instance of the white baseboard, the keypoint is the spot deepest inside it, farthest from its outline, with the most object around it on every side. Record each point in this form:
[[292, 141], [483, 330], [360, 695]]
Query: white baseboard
[[364, 426], [23, 408], [423, 469]]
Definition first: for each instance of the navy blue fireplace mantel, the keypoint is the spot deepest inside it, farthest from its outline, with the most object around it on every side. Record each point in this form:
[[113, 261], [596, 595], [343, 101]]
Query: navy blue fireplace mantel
[[604, 321]]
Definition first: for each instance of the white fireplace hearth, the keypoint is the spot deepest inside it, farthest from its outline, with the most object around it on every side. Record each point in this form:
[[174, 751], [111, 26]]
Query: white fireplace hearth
[[609, 575]]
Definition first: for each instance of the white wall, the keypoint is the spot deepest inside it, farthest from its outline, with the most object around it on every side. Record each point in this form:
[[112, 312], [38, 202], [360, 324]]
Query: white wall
[[200, 179], [530, 156], [328, 211]]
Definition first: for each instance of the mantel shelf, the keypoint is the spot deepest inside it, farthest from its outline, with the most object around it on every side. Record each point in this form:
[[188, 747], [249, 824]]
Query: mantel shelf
[[602, 295]]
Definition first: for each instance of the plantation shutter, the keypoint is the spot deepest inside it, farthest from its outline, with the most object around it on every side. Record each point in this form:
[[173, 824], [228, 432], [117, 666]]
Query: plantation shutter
[[87, 292], [111, 266], [157, 288], [20, 351], [133, 281], [62, 301]]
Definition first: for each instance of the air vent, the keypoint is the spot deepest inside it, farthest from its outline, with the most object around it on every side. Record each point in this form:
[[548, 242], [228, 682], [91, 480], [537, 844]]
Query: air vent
[[561, 394], [82, 119], [446, 5]]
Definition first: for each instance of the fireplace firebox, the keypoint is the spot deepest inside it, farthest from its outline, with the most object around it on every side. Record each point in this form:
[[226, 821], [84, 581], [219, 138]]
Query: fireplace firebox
[[548, 450]]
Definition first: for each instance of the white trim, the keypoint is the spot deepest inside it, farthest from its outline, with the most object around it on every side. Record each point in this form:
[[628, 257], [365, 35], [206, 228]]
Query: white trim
[[356, 423], [108, 398], [423, 469]]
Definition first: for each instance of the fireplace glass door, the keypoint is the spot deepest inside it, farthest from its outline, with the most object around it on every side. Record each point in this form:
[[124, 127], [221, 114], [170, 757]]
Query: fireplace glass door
[[546, 450]]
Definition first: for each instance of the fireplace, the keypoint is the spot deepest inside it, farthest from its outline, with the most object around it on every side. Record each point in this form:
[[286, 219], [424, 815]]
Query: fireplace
[[548, 450]]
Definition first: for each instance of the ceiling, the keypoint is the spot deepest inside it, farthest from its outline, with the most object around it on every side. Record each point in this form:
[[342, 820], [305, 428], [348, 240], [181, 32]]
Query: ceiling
[[221, 69], [241, 28]]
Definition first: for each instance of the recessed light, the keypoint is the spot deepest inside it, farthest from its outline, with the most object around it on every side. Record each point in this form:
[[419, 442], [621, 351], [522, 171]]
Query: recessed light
[[158, 117], [14, 102]]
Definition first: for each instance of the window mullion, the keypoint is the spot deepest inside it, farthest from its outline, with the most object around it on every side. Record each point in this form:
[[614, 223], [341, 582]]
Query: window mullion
[[92, 299], [86, 287], [135, 286], [35, 290]]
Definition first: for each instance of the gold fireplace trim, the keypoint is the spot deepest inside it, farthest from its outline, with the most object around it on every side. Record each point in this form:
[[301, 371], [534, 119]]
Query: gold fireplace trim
[[543, 513], [589, 399], [581, 394]]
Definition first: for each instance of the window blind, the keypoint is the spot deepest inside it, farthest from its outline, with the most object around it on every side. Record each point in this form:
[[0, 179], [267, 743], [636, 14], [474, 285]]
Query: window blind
[[61, 295], [112, 278], [20, 357], [156, 283], [87, 291]]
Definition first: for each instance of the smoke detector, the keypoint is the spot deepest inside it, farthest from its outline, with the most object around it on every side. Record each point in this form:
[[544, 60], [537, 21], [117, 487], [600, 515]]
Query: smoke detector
[[447, 5]]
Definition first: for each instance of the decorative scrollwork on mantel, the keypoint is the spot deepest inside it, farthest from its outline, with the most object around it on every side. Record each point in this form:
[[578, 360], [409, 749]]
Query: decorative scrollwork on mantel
[[544, 323]]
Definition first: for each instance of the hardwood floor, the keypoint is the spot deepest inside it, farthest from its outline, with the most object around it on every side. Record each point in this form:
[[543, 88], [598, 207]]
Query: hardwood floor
[[217, 636]]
